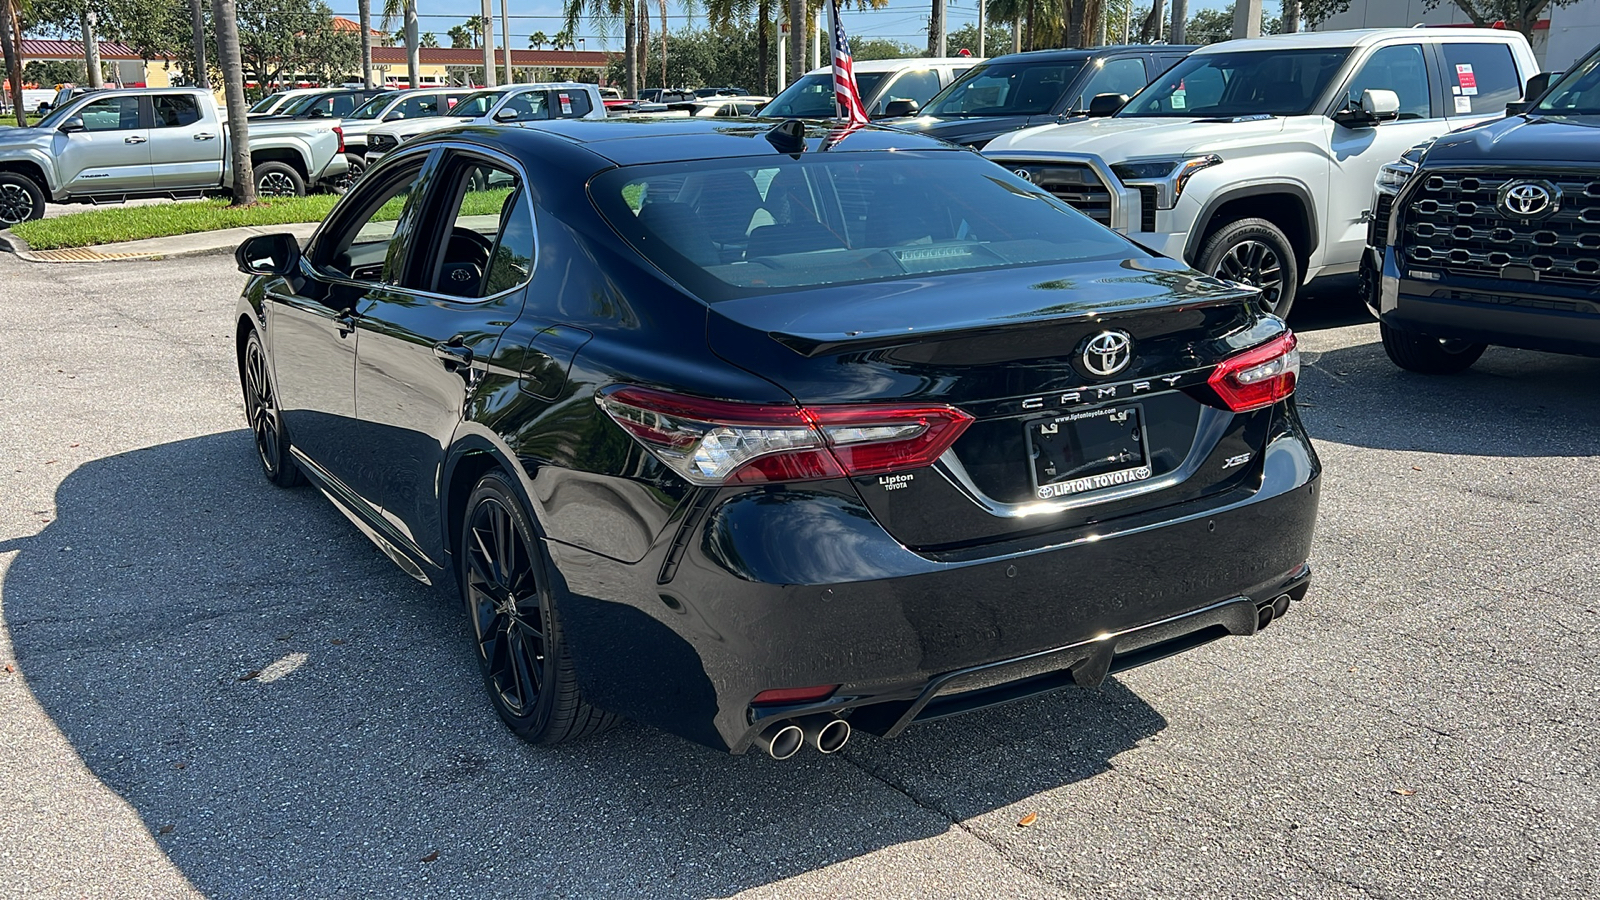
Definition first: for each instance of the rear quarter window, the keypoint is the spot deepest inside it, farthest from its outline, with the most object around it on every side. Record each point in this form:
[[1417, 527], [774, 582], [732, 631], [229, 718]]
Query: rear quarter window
[[1482, 78]]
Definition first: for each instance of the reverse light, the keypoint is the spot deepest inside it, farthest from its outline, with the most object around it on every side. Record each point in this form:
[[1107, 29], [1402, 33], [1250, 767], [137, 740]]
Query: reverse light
[[1260, 376], [720, 442]]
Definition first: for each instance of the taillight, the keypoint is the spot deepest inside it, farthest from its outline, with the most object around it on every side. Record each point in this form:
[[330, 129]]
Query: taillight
[[1260, 376], [720, 442], [340, 132]]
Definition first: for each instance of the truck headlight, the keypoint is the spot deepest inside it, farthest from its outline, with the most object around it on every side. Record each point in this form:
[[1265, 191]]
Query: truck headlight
[[1168, 175], [1393, 176]]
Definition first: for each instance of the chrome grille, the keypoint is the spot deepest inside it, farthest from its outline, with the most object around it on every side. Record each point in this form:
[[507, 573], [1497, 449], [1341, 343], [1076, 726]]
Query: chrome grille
[[1454, 223], [1074, 183]]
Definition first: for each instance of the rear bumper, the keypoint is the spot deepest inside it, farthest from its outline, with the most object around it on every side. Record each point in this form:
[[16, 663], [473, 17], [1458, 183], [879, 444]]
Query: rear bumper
[[336, 166], [1504, 313], [796, 588]]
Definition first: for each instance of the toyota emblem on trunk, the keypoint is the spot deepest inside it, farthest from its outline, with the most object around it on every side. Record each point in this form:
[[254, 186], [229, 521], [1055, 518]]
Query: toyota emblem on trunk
[[1108, 353], [1530, 199]]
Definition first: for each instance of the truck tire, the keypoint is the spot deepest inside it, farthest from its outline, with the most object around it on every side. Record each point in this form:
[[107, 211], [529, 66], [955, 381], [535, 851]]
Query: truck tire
[[357, 167], [21, 199], [276, 179], [1428, 355], [1258, 253]]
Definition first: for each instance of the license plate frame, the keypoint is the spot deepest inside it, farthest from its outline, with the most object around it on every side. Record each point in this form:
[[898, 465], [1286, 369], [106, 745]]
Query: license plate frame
[[1082, 452]]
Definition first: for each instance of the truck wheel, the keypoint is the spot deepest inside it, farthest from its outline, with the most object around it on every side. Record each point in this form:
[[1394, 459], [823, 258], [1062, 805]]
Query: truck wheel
[[1258, 253], [276, 179], [21, 200], [1428, 355], [357, 167], [516, 628]]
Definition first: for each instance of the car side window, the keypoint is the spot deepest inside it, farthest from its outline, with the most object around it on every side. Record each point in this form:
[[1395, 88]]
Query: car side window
[[344, 105], [530, 106], [175, 110], [1402, 69], [919, 85], [488, 246], [1482, 78], [361, 242], [416, 107], [572, 104], [1116, 76], [111, 114]]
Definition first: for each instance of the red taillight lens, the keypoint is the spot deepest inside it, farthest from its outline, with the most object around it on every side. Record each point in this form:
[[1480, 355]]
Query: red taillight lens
[[340, 132], [795, 695], [1260, 376], [718, 442]]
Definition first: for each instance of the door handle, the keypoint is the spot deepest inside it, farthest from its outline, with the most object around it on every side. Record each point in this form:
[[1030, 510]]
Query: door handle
[[454, 353], [133, 139], [346, 321], [204, 136]]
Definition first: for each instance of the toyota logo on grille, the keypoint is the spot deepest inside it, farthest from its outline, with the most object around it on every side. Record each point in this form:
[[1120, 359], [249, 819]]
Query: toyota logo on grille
[[1108, 353], [1530, 199], [1024, 174]]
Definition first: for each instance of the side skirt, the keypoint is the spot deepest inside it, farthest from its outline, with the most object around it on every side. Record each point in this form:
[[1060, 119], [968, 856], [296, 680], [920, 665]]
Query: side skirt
[[344, 500]]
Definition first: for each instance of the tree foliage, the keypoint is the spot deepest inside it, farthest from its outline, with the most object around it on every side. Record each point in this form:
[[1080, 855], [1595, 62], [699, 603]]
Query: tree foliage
[[280, 38], [1521, 15], [1211, 26]]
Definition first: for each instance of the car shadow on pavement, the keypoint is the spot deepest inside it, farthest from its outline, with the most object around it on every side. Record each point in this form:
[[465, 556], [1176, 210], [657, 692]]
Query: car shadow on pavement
[[291, 715], [1512, 403]]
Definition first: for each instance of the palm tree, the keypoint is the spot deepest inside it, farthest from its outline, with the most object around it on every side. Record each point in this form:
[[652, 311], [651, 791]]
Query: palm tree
[[605, 13], [364, 8], [408, 10], [538, 39], [11, 43], [226, 19]]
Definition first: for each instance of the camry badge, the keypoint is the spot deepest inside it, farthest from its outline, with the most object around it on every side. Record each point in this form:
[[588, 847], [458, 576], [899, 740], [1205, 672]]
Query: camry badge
[[1530, 199], [1108, 353]]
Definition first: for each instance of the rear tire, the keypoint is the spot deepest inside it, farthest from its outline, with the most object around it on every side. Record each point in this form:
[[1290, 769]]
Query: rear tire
[[1428, 355], [21, 200], [514, 621], [276, 179], [1258, 253], [357, 166]]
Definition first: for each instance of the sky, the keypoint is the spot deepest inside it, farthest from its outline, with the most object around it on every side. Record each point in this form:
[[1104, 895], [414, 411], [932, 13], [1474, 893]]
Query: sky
[[901, 20]]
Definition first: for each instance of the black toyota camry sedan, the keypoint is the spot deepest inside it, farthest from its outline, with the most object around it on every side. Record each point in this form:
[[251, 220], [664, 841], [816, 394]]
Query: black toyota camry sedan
[[759, 434]]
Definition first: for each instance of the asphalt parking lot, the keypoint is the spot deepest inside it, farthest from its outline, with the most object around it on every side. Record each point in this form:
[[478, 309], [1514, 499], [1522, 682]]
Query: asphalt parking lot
[[1424, 725]]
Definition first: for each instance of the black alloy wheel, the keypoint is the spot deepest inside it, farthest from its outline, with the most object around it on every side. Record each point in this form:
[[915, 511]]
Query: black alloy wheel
[[515, 626], [1428, 355], [1255, 252], [20, 200], [261, 409], [357, 166]]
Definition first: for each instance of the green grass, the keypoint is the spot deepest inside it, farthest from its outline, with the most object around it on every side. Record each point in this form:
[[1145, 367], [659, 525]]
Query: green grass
[[114, 224]]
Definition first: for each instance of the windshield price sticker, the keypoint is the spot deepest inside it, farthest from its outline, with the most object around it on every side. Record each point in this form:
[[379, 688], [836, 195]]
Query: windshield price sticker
[[1467, 80]]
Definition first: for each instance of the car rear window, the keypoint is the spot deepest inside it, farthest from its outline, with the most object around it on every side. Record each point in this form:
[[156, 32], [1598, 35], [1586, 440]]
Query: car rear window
[[733, 228]]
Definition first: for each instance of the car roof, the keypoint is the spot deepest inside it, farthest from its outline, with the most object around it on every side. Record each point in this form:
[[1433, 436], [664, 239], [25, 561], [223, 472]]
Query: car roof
[[640, 141], [1360, 37], [895, 65], [1088, 53]]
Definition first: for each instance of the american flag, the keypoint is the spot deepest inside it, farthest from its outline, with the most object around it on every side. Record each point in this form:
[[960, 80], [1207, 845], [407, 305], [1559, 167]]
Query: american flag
[[846, 96]]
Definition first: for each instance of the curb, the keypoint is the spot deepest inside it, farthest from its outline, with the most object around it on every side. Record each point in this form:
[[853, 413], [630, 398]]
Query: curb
[[12, 244]]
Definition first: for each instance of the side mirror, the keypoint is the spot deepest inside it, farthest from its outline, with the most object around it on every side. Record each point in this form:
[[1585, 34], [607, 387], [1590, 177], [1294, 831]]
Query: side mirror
[[394, 117], [505, 115], [269, 254], [901, 108], [1538, 85], [1380, 105], [1106, 105], [72, 125]]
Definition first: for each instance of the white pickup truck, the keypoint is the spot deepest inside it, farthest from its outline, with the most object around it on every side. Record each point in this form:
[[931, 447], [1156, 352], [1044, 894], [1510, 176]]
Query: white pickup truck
[[1254, 160], [111, 146], [515, 104]]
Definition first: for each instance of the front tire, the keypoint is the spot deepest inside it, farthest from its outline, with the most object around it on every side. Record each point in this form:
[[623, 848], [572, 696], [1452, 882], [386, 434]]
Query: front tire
[[1258, 253], [514, 621], [1428, 355], [21, 200], [276, 179], [266, 423]]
